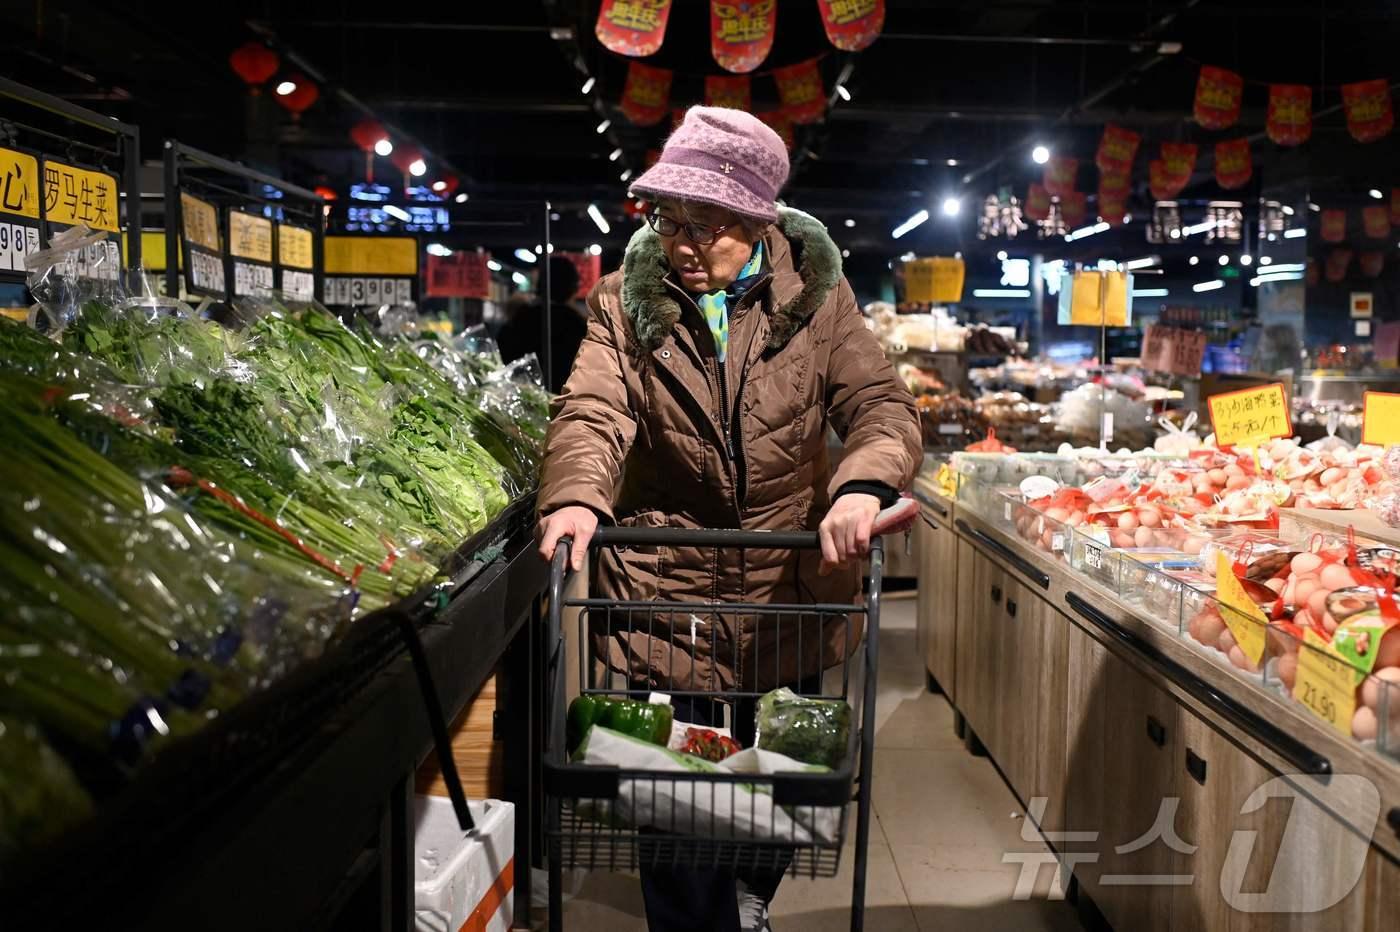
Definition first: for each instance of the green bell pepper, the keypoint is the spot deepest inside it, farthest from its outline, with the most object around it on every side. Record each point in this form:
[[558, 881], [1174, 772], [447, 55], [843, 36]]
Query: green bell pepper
[[646, 721]]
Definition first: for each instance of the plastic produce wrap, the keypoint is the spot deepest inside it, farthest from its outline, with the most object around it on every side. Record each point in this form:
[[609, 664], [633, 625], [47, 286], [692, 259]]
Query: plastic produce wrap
[[814, 731], [59, 290], [39, 796]]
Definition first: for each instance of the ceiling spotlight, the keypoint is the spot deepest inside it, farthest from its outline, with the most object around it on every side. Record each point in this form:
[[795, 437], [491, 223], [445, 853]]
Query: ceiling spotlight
[[1214, 285], [625, 175], [285, 88], [1287, 211], [1266, 260], [418, 169], [398, 213], [842, 92], [439, 186], [1194, 260], [437, 249], [1246, 259], [845, 254], [383, 147], [525, 255], [850, 222], [1224, 260], [603, 127], [599, 220], [1001, 255], [614, 155], [1040, 155], [595, 250], [951, 163], [588, 85], [1375, 192], [493, 265], [951, 206], [909, 224], [461, 198]]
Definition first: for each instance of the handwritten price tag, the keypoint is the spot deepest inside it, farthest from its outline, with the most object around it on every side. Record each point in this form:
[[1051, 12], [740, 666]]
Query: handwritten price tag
[[1326, 683], [1250, 416], [1246, 622], [1380, 418]]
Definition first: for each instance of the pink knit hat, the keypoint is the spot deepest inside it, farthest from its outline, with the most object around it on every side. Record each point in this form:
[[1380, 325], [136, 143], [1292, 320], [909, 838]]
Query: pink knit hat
[[728, 158]]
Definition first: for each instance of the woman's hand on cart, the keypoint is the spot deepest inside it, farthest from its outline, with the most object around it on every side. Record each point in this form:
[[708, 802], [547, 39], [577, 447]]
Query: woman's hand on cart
[[574, 521], [845, 532]]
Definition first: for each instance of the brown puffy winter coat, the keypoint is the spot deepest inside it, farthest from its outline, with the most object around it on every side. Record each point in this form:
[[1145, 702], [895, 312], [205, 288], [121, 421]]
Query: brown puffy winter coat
[[651, 432]]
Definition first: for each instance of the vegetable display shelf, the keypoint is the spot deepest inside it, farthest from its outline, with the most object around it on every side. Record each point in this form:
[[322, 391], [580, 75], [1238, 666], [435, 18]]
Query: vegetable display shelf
[[298, 803]]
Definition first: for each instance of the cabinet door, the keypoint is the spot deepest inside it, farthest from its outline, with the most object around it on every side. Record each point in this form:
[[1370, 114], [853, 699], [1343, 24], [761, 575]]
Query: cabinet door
[[1122, 733], [940, 650], [1287, 864], [976, 665], [1041, 637]]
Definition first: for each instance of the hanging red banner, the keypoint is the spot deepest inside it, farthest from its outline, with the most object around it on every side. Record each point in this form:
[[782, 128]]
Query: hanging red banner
[[1060, 174], [1114, 185], [1218, 96], [590, 269], [1037, 202], [460, 275], [1113, 210], [1117, 149], [801, 93], [1160, 182], [852, 25], [646, 95], [1338, 261], [1289, 122], [1375, 221], [1334, 226], [780, 123], [1180, 160], [1369, 112], [1372, 263], [736, 93], [1074, 208], [635, 28], [741, 32], [1233, 165]]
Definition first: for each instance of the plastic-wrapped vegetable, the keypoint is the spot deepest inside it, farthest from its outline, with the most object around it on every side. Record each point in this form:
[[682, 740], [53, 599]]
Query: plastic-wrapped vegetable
[[39, 796], [648, 721], [814, 731]]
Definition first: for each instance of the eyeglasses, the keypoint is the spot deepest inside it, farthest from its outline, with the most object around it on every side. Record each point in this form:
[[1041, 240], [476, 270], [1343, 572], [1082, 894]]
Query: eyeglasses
[[700, 234]]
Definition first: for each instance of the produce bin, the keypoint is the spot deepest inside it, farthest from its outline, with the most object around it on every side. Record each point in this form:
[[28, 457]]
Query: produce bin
[[463, 881]]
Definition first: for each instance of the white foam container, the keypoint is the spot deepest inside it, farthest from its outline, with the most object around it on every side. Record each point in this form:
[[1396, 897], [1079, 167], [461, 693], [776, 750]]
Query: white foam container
[[463, 881]]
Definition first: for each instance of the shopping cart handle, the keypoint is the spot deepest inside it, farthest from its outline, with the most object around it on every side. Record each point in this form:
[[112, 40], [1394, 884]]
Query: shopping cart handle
[[704, 537]]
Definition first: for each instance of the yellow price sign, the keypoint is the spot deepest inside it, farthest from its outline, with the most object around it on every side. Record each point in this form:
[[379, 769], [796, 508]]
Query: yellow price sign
[[1380, 418], [938, 280], [74, 196], [19, 184], [201, 222], [249, 236], [1326, 683], [1244, 618], [294, 247], [1250, 416], [1099, 299], [371, 255]]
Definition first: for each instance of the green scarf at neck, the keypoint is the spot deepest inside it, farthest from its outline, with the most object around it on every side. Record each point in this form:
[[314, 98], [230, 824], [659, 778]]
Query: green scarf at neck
[[715, 305]]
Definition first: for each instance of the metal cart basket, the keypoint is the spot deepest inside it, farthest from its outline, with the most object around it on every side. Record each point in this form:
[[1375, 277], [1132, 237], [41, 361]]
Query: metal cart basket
[[616, 818]]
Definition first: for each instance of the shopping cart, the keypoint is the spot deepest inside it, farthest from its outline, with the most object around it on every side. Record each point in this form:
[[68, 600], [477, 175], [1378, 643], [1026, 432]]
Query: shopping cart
[[615, 818]]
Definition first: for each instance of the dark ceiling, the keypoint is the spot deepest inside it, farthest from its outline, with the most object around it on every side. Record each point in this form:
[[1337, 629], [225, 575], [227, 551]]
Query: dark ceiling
[[948, 101]]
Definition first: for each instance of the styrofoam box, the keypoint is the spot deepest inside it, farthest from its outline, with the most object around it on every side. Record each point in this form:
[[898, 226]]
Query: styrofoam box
[[463, 881]]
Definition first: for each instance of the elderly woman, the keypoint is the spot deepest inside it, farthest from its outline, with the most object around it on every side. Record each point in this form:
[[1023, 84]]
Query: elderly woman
[[714, 364]]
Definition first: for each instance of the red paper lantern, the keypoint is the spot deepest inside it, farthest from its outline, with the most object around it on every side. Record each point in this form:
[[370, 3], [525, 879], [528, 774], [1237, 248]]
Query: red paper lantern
[[1289, 122], [1338, 261], [303, 95], [446, 186], [800, 91], [367, 134], [1117, 150], [254, 63], [1038, 202], [1334, 226], [1218, 96], [1060, 174], [404, 156], [1368, 107], [1372, 263], [1233, 165], [1074, 208], [1162, 183], [1375, 221], [646, 95], [1180, 160]]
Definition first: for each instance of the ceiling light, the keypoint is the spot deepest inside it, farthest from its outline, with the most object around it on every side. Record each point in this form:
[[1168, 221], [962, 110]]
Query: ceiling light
[[285, 88], [588, 85], [1082, 232], [437, 249], [1295, 234], [1143, 263], [951, 163], [1224, 260], [1266, 260], [493, 265], [1313, 207], [1284, 267], [418, 169], [599, 220], [439, 186], [842, 92], [603, 127], [550, 249], [520, 279], [845, 254], [908, 257], [951, 206], [850, 222], [461, 198], [1001, 292], [1246, 259], [627, 173], [398, 213], [1375, 192], [595, 250], [1127, 218], [383, 147], [1201, 227], [1001, 255], [1040, 155], [1149, 292], [614, 155], [525, 255], [909, 224], [1193, 260], [1287, 211], [1207, 286]]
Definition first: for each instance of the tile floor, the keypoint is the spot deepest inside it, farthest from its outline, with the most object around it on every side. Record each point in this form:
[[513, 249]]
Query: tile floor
[[944, 820]]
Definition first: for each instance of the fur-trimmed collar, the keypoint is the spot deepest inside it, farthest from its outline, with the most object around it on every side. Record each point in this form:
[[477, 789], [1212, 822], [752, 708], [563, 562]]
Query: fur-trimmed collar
[[805, 262]]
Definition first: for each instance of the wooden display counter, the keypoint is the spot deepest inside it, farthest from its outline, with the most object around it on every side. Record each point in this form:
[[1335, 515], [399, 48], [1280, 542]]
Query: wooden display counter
[[1115, 732]]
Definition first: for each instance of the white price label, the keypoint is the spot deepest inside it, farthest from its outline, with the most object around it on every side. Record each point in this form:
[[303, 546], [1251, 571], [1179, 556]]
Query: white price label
[[1057, 543], [1093, 558], [950, 428]]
